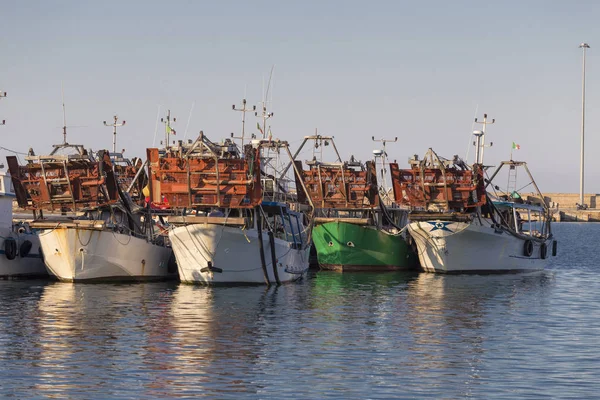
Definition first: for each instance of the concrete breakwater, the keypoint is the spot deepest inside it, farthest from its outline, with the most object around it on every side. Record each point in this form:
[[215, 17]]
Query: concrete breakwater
[[565, 208]]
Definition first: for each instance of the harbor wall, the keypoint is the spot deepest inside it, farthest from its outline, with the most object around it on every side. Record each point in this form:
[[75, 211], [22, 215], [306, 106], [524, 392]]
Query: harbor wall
[[564, 206]]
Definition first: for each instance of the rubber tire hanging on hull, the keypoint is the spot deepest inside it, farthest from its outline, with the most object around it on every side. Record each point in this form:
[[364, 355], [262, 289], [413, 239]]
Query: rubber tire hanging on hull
[[528, 248], [10, 248], [25, 248], [543, 251], [554, 248]]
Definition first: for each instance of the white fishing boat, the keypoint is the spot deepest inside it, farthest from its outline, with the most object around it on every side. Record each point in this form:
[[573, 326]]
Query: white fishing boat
[[228, 250], [458, 227], [223, 229], [20, 254], [106, 235]]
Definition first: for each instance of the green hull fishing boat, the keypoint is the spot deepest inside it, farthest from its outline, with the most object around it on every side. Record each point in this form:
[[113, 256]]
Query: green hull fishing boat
[[343, 246], [353, 230]]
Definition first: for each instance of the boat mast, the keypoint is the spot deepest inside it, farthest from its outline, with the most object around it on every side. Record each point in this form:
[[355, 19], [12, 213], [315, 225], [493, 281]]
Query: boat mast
[[266, 115], [115, 125], [480, 141], [168, 129], [382, 154], [2, 94], [62, 90], [243, 110]]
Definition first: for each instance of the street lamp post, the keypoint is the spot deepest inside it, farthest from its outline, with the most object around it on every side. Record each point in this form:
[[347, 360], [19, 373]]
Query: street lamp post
[[583, 46]]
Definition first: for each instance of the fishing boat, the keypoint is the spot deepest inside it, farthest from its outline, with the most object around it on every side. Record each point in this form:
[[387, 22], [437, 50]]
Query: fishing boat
[[354, 230], [462, 222], [20, 254], [226, 224], [92, 229]]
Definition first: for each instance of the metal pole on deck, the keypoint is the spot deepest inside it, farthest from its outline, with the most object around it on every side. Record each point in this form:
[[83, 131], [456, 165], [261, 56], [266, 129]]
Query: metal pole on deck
[[115, 125]]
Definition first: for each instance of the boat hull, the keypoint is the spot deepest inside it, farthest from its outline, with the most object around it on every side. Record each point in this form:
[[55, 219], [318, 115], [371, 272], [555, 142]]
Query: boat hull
[[343, 246], [30, 265], [216, 254], [75, 254], [469, 247]]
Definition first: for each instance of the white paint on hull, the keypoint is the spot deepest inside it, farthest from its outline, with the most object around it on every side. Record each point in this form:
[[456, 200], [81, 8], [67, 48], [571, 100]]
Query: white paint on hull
[[448, 247], [31, 265], [235, 252], [74, 254]]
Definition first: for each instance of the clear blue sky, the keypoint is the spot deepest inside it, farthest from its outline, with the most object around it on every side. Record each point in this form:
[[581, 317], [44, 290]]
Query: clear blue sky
[[415, 70]]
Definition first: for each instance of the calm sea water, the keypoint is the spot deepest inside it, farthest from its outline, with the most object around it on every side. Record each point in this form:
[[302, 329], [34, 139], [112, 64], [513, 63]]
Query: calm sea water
[[333, 335]]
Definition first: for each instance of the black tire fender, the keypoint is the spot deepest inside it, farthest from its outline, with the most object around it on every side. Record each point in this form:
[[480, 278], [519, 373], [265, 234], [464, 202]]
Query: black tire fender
[[25, 248], [543, 251], [528, 248], [10, 248]]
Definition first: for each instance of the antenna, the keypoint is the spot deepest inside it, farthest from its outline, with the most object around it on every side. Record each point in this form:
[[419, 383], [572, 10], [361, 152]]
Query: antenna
[[383, 155], [168, 129], [243, 109], [2, 94], [188, 121], [62, 91], [265, 115], [480, 141], [115, 125]]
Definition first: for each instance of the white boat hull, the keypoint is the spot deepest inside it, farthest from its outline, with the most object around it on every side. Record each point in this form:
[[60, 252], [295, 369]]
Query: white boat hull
[[74, 254], [234, 256], [27, 266], [455, 247]]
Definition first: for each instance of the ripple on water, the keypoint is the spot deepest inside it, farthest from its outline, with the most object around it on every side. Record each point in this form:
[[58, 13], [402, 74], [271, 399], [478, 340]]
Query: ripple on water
[[363, 335]]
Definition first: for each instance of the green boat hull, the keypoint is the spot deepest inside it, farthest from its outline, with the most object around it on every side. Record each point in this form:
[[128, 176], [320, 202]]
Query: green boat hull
[[343, 246]]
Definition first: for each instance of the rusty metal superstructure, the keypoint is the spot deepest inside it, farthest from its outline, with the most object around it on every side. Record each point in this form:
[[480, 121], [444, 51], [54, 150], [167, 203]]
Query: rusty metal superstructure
[[341, 186], [203, 175], [72, 183], [436, 184]]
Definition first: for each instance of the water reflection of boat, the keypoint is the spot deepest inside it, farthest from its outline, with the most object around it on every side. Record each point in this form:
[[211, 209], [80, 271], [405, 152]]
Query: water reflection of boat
[[221, 331], [451, 317], [98, 328]]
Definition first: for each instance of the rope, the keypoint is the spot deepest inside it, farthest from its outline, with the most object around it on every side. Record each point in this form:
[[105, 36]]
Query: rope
[[79, 238], [12, 151], [117, 239]]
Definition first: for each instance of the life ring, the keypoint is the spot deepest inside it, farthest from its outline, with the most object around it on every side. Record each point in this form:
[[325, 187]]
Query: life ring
[[544, 251], [25, 248], [528, 248], [10, 248]]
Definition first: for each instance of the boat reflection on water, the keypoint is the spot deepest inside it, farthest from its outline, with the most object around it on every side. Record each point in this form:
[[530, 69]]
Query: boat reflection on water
[[227, 336], [102, 329], [455, 319]]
